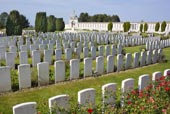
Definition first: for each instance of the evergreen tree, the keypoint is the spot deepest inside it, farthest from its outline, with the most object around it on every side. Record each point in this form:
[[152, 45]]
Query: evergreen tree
[[41, 22], [141, 27], [157, 26], [60, 25], [163, 26], [51, 23], [110, 26], [145, 27]]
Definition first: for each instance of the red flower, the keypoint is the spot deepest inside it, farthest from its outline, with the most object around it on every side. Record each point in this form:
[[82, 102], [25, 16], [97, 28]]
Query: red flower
[[129, 102], [167, 88], [164, 111], [133, 92], [162, 77], [90, 111]]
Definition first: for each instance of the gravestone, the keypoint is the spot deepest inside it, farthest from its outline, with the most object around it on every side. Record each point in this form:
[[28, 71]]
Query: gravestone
[[10, 59], [136, 60], [167, 72], [113, 50], [43, 73], [86, 52], [156, 76], [87, 67], [143, 82], [143, 58], [2, 52], [107, 48], [58, 54], [24, 75], [93, 52], [59, 102], [127, 85], [119, 62], [128, 60], [35, 57], [86, 97], [100, 65], [48, 56], [119, 49], [100, 50], [23, 57], [109, 94], [25, 108], [149, 57], [74, 69], [110, 63], [23, 48], [59, 71], [68, 53], [5, 79]]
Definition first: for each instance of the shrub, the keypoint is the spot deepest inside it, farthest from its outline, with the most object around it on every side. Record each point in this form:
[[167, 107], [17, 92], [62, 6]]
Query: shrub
[[41, 22], [145, 27], [141, 27], [60, 25], [51, 23], [126, 26], [110, 26], [157, 26], [163, 26]]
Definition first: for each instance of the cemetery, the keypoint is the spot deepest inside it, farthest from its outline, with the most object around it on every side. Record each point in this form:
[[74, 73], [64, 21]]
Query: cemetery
[[94, 64]]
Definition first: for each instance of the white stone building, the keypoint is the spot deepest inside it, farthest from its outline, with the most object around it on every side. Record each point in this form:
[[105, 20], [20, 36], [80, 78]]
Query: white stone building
[[117, 26]]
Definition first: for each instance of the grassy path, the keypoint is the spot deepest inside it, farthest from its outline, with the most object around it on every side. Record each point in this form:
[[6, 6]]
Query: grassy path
[[41, 95]]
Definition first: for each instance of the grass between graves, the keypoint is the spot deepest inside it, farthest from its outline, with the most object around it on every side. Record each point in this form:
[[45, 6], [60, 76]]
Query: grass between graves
[[42, 94]]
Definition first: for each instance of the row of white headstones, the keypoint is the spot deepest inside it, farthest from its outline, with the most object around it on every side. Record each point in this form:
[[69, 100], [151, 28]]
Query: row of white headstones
[[87, 96], [24, 70]]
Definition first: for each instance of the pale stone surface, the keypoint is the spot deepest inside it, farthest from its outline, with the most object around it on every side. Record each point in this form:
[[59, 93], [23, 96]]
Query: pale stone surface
[[87, 67], [113, 50], [155, 56], [109, 94], [167, 72], [143, 58], [93, 52], [24, 75], [58, 54], [23, 57], [149, 57], [10, 59], [127, 85], [2, 52], [35, 57], [110, 63], [119, 62], [128, 60], [100, 50], [143, 82], [59, 71], [156, 75], [23, 48], [59, 102], [107, 50], [86, 97], [68, 53], [5, 79], [100, 65], [74, 69], [136, 60], [86, 52], [48, 56], [25, 108], [119, 49], [43, 73]]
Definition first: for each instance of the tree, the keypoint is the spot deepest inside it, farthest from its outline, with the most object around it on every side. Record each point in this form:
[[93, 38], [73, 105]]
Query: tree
[[126, 26], [110, 26], [13, 25], [24, 22], [51, 23], [60, 25], [163, 26], [84, 17], [141, 27], [41, 22], [157, 26], [3, 19], [145, 27]]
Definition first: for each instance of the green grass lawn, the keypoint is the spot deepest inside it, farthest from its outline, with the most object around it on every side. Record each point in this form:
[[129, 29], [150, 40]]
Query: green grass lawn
[[41, 94]]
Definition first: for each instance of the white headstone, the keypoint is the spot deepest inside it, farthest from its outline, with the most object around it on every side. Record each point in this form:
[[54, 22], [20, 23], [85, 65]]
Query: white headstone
[[136, 59], [107, 48], [86, 52], [119, 62], [167, 72], [86, 97], [156, 75], [110, 63], [58, 54], [35, 57], [23, 57], [109, 94], [87, 67], [128, 61], [48, 56], [59, 71], [143, 58], [143, 82], [43, 73], [100, 65], [93, 52], [10, 59], [5, 79], [25, 108], [24, 76], [74, 69], [68, 53], [58, 103]]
